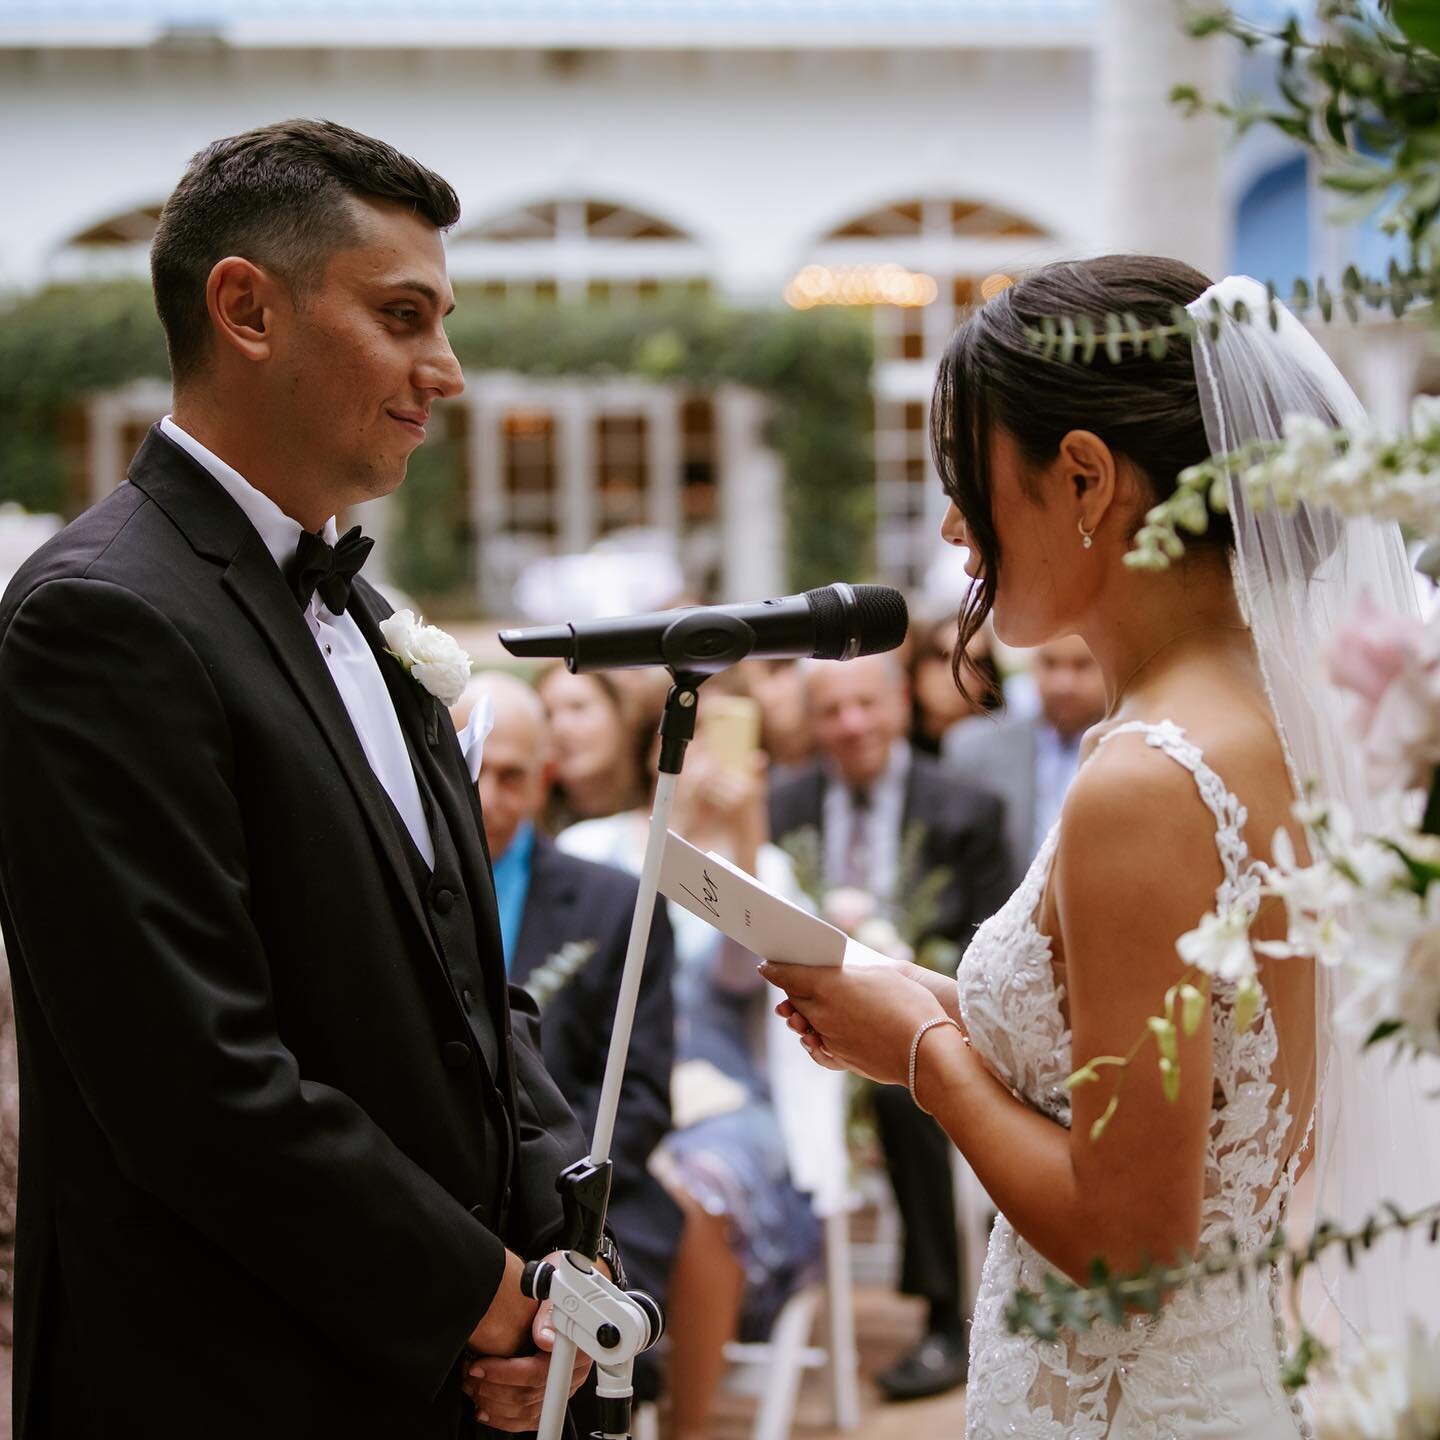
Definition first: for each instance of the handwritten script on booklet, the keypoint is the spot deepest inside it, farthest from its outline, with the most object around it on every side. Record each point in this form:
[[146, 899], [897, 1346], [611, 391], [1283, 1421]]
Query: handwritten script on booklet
[[739, 905]]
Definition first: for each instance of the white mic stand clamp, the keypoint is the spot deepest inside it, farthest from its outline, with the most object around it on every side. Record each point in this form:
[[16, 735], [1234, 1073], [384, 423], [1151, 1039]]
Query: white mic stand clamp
[[609, 1324]]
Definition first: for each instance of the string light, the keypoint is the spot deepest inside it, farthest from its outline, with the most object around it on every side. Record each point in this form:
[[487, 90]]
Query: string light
[[860, 285], [992, 285]]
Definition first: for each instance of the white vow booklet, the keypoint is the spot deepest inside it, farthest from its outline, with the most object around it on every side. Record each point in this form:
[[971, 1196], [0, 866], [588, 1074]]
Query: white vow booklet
[[737, 904]]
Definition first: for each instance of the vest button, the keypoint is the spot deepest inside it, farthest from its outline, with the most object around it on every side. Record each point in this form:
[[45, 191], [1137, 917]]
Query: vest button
[[456, 1054], [444, 899], [467, 998]]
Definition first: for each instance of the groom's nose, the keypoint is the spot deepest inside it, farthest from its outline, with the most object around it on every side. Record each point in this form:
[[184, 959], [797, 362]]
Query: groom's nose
[[439, 371]]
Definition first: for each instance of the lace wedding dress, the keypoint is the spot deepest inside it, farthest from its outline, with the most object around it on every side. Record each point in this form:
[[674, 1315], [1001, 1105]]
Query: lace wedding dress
[[1209, 1363]]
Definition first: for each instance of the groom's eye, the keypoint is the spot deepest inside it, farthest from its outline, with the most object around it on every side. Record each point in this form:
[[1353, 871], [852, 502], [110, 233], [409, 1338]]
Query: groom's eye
[[406, 313]]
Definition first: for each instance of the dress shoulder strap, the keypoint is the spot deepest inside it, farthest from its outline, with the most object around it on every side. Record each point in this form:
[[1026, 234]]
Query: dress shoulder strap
[[1239, 884]]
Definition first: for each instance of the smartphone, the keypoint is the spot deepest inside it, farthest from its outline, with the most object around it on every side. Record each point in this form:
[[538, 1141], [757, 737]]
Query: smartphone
[[729, 728]]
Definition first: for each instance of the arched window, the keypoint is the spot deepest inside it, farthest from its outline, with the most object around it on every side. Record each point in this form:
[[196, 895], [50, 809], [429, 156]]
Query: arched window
[[1272, 225], [957, 241], [935, 218], [574, 220], [920, 262], [578, 247]]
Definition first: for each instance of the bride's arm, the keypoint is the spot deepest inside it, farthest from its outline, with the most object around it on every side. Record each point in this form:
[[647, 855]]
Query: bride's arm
[[1136, 868]]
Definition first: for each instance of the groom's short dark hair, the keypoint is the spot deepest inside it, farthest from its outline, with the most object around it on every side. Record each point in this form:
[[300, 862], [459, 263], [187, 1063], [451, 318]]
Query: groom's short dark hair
[[278, 196]]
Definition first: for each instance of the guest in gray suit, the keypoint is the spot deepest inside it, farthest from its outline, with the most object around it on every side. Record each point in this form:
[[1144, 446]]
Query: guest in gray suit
[[1030, 760], [864, 798]]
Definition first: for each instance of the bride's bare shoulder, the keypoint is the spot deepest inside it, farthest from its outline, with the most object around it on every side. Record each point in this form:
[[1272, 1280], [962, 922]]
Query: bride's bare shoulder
[[1127, 774]]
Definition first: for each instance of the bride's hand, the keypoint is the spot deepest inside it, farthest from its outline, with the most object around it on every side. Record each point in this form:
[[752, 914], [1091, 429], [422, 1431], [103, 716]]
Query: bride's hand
[[942, 987], [854, 1018]]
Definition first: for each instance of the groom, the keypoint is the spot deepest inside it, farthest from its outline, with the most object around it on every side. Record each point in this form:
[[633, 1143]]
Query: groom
[[285, 1153]]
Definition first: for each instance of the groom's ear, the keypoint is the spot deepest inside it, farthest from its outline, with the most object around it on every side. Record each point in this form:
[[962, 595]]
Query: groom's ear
[[242, 299], [1091, 475]]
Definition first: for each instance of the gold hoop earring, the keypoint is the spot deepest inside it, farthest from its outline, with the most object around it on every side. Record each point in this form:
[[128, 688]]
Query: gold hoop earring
[[1087, 537]]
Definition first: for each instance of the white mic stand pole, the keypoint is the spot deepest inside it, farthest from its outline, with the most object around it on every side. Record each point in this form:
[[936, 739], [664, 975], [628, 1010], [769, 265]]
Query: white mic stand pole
[[611, 1325]]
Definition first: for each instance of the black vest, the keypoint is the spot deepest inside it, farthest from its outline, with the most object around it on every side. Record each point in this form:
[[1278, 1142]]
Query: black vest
[[448, 906]]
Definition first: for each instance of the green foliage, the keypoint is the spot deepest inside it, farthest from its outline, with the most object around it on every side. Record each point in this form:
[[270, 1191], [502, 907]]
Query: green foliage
[[432, 540], [58, 346], [1363, 92], [1072, 338], [1108, 1298], [550, 978], [1420, 22], [55, 348], [918, 896], [813, 365], [806, 853], [915, 906]]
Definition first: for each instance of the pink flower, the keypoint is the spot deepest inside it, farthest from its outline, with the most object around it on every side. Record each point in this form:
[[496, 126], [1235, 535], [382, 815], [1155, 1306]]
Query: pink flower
[[1392, 662], [848, 907], [1371, 652]]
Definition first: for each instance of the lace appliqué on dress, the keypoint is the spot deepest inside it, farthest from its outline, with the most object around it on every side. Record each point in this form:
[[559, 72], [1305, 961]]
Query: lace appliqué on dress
[[1209, 1362]]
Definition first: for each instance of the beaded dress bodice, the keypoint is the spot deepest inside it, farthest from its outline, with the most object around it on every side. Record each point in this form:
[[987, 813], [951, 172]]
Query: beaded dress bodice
[[1209, 1362]]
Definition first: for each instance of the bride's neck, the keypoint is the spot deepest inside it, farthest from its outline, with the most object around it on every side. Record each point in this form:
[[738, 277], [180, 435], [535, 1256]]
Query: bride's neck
[[1148, 620]]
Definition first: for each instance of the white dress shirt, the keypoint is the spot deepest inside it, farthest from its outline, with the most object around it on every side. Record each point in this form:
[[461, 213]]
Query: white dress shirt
[[884, 823], [352, 664]]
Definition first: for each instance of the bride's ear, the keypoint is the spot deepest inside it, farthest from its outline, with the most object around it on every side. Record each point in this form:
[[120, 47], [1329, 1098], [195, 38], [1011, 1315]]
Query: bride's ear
[[1091, 476]]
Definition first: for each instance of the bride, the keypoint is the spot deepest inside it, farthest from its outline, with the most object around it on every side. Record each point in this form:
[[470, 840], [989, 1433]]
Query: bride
[[1211, 727]]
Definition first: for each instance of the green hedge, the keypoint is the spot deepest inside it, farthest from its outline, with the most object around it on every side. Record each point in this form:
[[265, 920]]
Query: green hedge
[[61, 344]]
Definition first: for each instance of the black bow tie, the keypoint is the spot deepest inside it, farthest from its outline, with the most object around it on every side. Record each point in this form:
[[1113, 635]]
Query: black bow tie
[[319, 568]]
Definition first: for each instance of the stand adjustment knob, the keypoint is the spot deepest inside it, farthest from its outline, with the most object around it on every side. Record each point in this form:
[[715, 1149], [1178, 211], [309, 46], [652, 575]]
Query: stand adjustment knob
[[535, 1280], [608, 1335]]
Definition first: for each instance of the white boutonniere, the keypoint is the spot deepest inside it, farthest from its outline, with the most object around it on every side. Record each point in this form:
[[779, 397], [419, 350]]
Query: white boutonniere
[[432, 656]]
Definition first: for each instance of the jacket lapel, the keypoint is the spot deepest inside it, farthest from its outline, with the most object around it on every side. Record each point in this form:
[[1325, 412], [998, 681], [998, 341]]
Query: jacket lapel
[[216, 527], [548, 910], [434, 743], [919, 797]]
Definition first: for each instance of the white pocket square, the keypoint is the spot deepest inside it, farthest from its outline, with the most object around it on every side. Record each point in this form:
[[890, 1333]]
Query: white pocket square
[[472, 737]]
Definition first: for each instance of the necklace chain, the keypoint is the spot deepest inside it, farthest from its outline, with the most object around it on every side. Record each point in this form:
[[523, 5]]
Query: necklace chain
[[1193, 630]]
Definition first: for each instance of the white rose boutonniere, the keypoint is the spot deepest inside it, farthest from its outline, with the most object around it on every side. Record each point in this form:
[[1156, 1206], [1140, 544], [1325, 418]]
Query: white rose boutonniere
[[432, 656]]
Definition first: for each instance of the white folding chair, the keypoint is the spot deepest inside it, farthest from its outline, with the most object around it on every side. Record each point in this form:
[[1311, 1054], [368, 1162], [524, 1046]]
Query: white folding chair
[[810, 1103]]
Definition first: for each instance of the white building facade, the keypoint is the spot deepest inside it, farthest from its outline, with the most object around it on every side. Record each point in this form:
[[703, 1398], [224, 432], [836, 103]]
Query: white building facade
[[621, 148]]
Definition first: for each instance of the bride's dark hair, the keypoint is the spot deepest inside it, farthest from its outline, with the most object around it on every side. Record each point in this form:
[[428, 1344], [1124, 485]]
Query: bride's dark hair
[[992, 376]]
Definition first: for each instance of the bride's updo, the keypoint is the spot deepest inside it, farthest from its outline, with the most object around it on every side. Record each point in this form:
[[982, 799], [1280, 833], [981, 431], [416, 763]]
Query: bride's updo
[[992, 375]]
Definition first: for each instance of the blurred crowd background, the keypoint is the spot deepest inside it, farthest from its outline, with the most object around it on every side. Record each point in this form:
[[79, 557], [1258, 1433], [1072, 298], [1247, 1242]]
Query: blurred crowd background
[[881, 794], [711, 251]]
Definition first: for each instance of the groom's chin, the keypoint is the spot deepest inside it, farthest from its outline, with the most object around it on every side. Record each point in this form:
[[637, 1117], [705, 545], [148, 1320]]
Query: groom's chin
[[378, 481]]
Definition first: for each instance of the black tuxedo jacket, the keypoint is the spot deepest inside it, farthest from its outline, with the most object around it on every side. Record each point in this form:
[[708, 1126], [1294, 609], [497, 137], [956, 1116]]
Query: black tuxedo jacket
[[570, 899], [278, 1127], [963, 831]]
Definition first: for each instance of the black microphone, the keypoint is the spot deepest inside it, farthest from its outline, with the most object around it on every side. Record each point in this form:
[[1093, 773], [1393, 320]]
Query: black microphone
[[836, 623]]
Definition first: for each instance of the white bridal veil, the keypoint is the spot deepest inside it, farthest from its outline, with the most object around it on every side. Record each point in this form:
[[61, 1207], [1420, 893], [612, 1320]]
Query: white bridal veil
[[1298, 577]]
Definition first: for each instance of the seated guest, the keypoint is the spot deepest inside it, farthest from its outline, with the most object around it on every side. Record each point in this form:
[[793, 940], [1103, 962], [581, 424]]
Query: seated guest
[[1031, 759], [870, 803], [742, 1104], [936, 702], [598, 750], [565, 924], [777, 687]]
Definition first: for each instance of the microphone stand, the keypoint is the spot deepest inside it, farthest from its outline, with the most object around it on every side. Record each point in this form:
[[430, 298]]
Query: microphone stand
[[611, 1325]]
